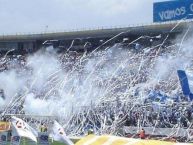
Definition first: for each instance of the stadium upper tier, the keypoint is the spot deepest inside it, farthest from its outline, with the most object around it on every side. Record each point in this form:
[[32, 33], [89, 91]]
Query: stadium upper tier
[[90, 39], [155, 28]]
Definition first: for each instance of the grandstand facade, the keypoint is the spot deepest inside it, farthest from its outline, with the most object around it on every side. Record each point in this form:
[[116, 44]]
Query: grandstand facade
[[89, 39]]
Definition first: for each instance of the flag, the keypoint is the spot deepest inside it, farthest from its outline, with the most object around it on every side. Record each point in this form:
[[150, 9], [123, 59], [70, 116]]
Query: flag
[[59, 134], [22, 129], [186, 82]]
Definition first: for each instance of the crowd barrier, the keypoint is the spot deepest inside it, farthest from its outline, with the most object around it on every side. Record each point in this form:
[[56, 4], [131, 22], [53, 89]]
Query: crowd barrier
[[176, 132]]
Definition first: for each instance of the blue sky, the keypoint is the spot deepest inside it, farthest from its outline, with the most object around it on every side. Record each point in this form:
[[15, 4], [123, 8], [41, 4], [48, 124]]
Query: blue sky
[[58, 15]]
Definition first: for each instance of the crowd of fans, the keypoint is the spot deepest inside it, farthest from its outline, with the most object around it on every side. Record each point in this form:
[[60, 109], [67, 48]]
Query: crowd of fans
[[126, 77], [151, 115]]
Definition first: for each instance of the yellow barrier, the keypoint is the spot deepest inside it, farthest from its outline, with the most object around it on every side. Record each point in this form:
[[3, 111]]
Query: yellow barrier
[[4, 126], [113, 140]]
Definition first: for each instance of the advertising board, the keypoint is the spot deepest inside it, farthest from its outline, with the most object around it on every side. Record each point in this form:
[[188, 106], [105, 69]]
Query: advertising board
[[4, 126], [3, 138], [43, 138], [172, 10]]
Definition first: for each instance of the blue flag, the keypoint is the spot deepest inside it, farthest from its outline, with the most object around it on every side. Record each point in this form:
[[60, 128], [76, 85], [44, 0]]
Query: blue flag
[[185, 84]]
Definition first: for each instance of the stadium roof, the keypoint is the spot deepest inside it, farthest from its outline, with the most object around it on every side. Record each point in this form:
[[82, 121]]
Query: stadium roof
[[155, 28]]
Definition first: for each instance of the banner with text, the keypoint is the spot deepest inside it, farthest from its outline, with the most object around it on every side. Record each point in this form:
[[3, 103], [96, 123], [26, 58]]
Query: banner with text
[[3, 138], [15, 140], [43, 138], [172, 10], [4, 126]]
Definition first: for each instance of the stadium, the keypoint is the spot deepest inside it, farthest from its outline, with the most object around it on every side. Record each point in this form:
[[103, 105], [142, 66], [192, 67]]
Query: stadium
[[124, 85]]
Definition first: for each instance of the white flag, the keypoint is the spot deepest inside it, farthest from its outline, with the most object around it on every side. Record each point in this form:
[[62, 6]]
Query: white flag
[[22, 129], [59, 134]]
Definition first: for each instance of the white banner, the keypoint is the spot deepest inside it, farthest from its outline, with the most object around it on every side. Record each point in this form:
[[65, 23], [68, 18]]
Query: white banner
[[43, 138], [3, 138]]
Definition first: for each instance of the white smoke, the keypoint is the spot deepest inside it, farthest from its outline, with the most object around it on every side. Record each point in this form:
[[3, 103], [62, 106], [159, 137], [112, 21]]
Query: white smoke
[[2, 103], [42, 66], [52, 88], [11, 84], [34, 105]]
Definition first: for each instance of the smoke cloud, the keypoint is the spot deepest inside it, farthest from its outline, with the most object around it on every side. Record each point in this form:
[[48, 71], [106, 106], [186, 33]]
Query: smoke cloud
[[59, 84]]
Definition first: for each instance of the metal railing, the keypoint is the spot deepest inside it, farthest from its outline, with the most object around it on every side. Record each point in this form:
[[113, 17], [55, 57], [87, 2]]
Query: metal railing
[[94, 28]]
